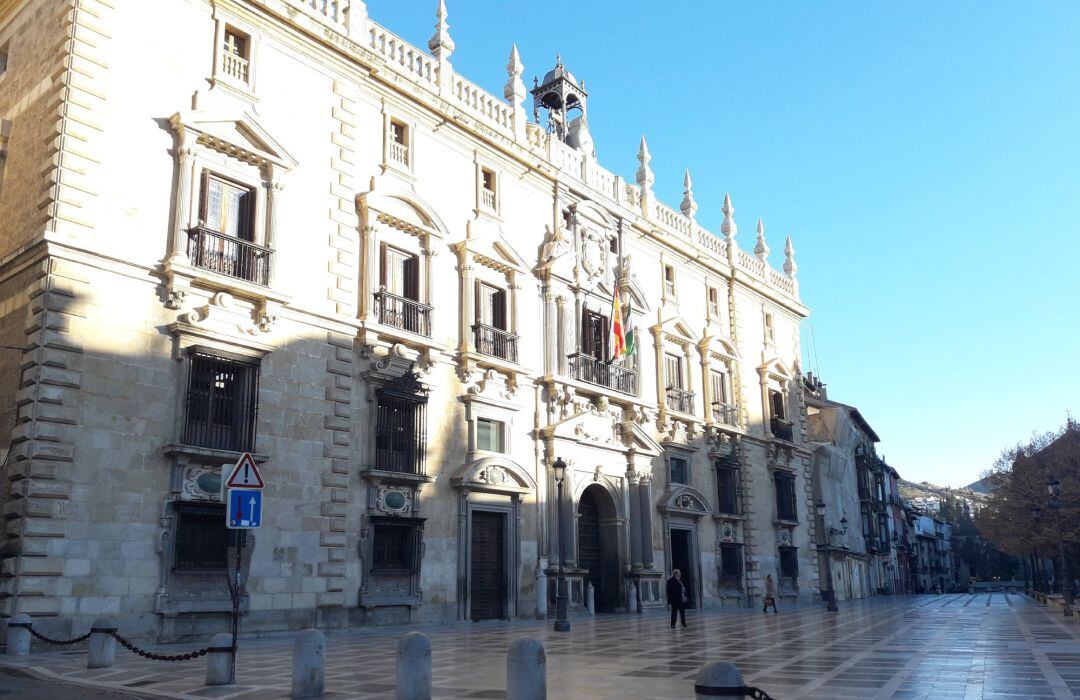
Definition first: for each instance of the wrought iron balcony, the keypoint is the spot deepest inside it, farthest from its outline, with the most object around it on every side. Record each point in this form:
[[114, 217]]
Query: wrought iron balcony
[[406, 314], [725, 413], [495, 342], [587, 368], [228, 255], [680, 400], [781, 429]]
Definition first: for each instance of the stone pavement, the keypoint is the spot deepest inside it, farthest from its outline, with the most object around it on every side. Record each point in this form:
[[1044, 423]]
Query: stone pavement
[[960, 646]]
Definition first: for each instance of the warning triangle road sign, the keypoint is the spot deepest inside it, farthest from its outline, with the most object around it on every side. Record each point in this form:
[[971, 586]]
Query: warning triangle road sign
[[245, 475]]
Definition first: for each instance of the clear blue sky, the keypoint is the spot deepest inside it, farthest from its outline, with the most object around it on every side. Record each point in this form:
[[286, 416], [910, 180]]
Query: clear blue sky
[[924, 156]]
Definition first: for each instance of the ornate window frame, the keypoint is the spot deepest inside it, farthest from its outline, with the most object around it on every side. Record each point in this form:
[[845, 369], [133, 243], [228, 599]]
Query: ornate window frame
[[219, 77], [235, 145]]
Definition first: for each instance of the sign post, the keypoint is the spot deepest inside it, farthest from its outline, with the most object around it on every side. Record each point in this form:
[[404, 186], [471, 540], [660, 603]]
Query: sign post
[[243, 512]]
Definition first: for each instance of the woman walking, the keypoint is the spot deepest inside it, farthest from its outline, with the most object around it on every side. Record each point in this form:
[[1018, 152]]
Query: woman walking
[[770, 595]]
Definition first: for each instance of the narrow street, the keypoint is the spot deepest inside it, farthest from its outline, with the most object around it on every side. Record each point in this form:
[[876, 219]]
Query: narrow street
[[951, 646]]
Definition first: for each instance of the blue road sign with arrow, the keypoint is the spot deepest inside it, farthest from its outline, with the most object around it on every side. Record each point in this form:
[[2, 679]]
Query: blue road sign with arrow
[[244, 510]]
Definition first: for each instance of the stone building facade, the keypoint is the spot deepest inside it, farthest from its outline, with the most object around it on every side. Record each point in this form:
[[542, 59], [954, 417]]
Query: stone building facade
[[284, 230]]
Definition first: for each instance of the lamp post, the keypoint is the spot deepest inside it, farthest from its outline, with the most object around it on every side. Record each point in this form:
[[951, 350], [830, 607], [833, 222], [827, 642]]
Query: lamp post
[[830, 594], [1054, 487], [561, 623], [1036, 563]]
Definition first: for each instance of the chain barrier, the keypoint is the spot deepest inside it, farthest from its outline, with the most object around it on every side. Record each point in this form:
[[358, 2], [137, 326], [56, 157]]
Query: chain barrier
[[736, 692], [158, 657], [123, 642], [55, 642]]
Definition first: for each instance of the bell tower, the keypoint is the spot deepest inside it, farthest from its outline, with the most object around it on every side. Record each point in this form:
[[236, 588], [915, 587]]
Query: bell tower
[[560, 94]]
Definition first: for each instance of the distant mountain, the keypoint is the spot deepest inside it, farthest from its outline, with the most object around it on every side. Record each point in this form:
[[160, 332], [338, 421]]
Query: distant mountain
[[927, 495], [981, 486]]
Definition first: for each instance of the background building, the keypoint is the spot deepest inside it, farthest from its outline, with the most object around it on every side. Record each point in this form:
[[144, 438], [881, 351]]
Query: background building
[[285, 230]]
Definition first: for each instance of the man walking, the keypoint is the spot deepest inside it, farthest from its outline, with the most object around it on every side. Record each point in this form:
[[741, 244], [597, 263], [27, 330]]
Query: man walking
[[676, 597]]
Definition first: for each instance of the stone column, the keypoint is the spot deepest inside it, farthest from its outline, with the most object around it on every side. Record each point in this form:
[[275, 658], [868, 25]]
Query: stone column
[[635, 520], [645, 493], [185, 181]]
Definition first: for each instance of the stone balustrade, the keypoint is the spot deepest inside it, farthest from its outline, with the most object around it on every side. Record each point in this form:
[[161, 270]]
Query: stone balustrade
[[488, 110]]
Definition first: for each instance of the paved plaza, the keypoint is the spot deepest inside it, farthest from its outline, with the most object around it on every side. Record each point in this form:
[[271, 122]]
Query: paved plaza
[[952, 646]]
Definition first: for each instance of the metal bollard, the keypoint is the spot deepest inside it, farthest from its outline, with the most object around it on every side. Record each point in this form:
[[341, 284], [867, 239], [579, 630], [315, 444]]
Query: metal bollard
[[413, 676], [219, 660], [590, 599], [719, 678], [526, 670], [309, 664], [18, 635], [102, 644]]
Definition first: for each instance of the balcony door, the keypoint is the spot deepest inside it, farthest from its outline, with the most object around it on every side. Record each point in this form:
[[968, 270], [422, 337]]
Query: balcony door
[[594, 332], [400, 273]]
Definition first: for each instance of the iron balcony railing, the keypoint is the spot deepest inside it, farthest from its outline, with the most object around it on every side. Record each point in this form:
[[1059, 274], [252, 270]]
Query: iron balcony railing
[[495, 342], [406, 314], [725, 413], [781, 429], [229, 255], [680, 400], [587, 368]]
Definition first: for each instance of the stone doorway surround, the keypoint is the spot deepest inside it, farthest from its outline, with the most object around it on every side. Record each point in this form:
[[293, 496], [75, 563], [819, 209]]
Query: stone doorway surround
[[490, 485]]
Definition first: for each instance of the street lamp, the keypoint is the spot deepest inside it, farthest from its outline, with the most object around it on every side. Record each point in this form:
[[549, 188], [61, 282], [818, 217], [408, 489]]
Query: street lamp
[[1036, 563], [1053, 486], [561, 623], [830, 594]]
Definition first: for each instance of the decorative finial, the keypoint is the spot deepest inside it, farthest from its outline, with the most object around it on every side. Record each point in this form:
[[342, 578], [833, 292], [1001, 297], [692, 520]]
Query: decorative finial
[[645, 177], [761, 250], [515, 89], [688, 206], [728, 227], [441, 45], [790, 268], [558, 60]]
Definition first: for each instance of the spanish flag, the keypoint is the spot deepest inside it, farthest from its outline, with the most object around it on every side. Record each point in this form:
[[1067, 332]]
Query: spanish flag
[[616, 334]]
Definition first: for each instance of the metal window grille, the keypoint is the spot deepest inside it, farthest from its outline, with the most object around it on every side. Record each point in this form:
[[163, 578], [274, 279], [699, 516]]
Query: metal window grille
[[728, 489], [401, 427], [221, 404], [789, 566], [395, 546], [785, 497], [201, 538], [731, 567]]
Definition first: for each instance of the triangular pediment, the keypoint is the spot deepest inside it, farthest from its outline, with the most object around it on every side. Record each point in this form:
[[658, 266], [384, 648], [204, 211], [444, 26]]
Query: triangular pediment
[[235, 133], [496, 252]]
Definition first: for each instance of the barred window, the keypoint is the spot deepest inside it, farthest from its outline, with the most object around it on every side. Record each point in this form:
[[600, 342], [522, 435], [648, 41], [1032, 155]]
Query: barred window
[[728, 487], [395, 545], [221, 403], [786, 508], [201, 538], [401, 426], [789, 567], [731, 567]]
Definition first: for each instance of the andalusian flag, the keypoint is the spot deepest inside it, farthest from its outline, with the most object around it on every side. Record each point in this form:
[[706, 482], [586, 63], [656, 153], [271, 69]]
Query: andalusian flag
[[616, 337], [629, 335]]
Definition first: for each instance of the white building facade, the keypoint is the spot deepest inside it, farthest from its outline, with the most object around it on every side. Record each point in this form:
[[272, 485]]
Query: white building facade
[[285, 230]]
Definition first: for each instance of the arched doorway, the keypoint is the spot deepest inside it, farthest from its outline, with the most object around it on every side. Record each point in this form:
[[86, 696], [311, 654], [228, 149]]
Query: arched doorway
[[598, 550]]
